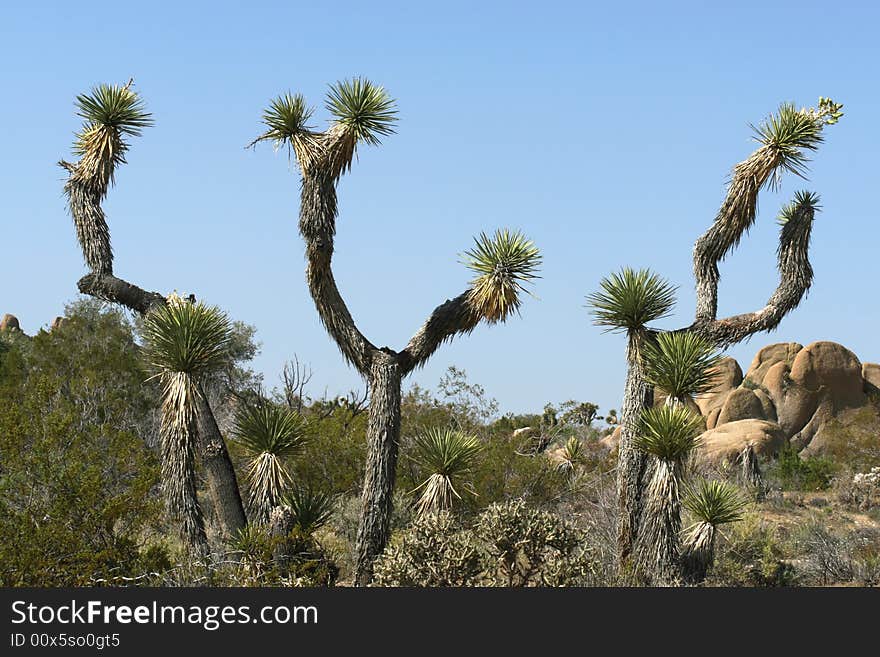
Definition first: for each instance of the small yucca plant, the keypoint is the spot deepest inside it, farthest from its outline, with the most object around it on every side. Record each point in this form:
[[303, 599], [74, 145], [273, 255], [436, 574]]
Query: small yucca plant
[[310, 508], [571, 456], [183, 342], [680, 364], [669, 434], [504, 264], [448, 456], [269, 433], [712, 503]]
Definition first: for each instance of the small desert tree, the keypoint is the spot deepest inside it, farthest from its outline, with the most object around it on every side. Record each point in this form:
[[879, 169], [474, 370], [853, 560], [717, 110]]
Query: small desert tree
[[184, 343], [447, 456], [112, 114], [363, 113], [785, 140], [712, 504], [669, 434], [269, 433]]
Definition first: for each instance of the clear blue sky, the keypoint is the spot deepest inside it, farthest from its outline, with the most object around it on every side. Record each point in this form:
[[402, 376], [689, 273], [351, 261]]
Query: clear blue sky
[[605, 132]]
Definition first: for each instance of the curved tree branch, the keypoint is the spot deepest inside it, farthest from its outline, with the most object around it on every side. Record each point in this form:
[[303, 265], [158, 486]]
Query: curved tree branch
[[317, 224], [446, 321], [795, 279], [109, 288]]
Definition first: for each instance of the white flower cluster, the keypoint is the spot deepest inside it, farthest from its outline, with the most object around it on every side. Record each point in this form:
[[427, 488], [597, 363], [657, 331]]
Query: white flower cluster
[[868, 479]]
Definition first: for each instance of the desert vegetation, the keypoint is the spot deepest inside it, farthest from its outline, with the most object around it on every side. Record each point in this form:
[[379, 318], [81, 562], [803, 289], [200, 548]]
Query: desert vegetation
[[138, 446]]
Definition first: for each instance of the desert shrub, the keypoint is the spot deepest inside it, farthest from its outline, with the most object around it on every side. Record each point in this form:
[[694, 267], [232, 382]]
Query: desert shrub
[[859, 491], [752, 554], [525, 546], [78, 490], [830, 557], [791, 472], [434, 551], [509, 544], [255, 561]]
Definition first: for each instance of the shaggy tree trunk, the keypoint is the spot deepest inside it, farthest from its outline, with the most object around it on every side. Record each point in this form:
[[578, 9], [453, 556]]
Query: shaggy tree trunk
[[222, 482], [698, 553], [659, 543], [631, 463], [383, 442]]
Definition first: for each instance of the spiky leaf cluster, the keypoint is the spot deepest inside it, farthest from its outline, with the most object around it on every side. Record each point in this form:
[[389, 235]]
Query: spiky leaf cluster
[[286, 120], [187, 337], [504, 264], [669, 432], [572, 454], [447, 456], [630, 299], [310, 508], [364, 109], [110, 113], [791, 132], [714, 502], [269, 433], [804, 202], [680, 363]]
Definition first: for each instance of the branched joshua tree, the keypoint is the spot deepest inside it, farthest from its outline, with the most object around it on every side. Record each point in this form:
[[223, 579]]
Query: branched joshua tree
[[363, 113], [668, 433], [269, 433], [628, 301], [183, 343], [111, 114], [712, 504]]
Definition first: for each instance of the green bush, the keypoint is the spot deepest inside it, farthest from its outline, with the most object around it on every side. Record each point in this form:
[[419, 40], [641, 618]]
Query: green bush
[[791, 472]]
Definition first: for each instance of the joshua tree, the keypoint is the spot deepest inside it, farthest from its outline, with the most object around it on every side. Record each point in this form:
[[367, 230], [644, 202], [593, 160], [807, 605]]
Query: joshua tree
[[269, 433], [364, 113], [669, 434], [111, 115], [628, 301], [448, 455], [712, 504], [184, 342], [785, 139]]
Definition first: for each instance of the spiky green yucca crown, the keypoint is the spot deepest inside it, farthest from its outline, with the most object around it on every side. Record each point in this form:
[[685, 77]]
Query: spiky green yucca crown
[[361, 111], [190, 338], [804, 203], [790, 132], [680, 364], [504, 264], [363, 108], [668, 432], [113, 106], [267, 428], [714, 502], [447, 452], [630, 299], [311, 508]]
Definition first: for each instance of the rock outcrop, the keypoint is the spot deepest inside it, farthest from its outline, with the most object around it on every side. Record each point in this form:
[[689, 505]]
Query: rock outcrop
[[9, 323], [813, 396]]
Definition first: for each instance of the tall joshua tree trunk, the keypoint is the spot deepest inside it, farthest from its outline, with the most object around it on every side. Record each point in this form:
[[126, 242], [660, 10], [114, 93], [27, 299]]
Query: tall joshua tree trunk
[[383, 442], [632, 463], [363, 112], [111, 113]]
